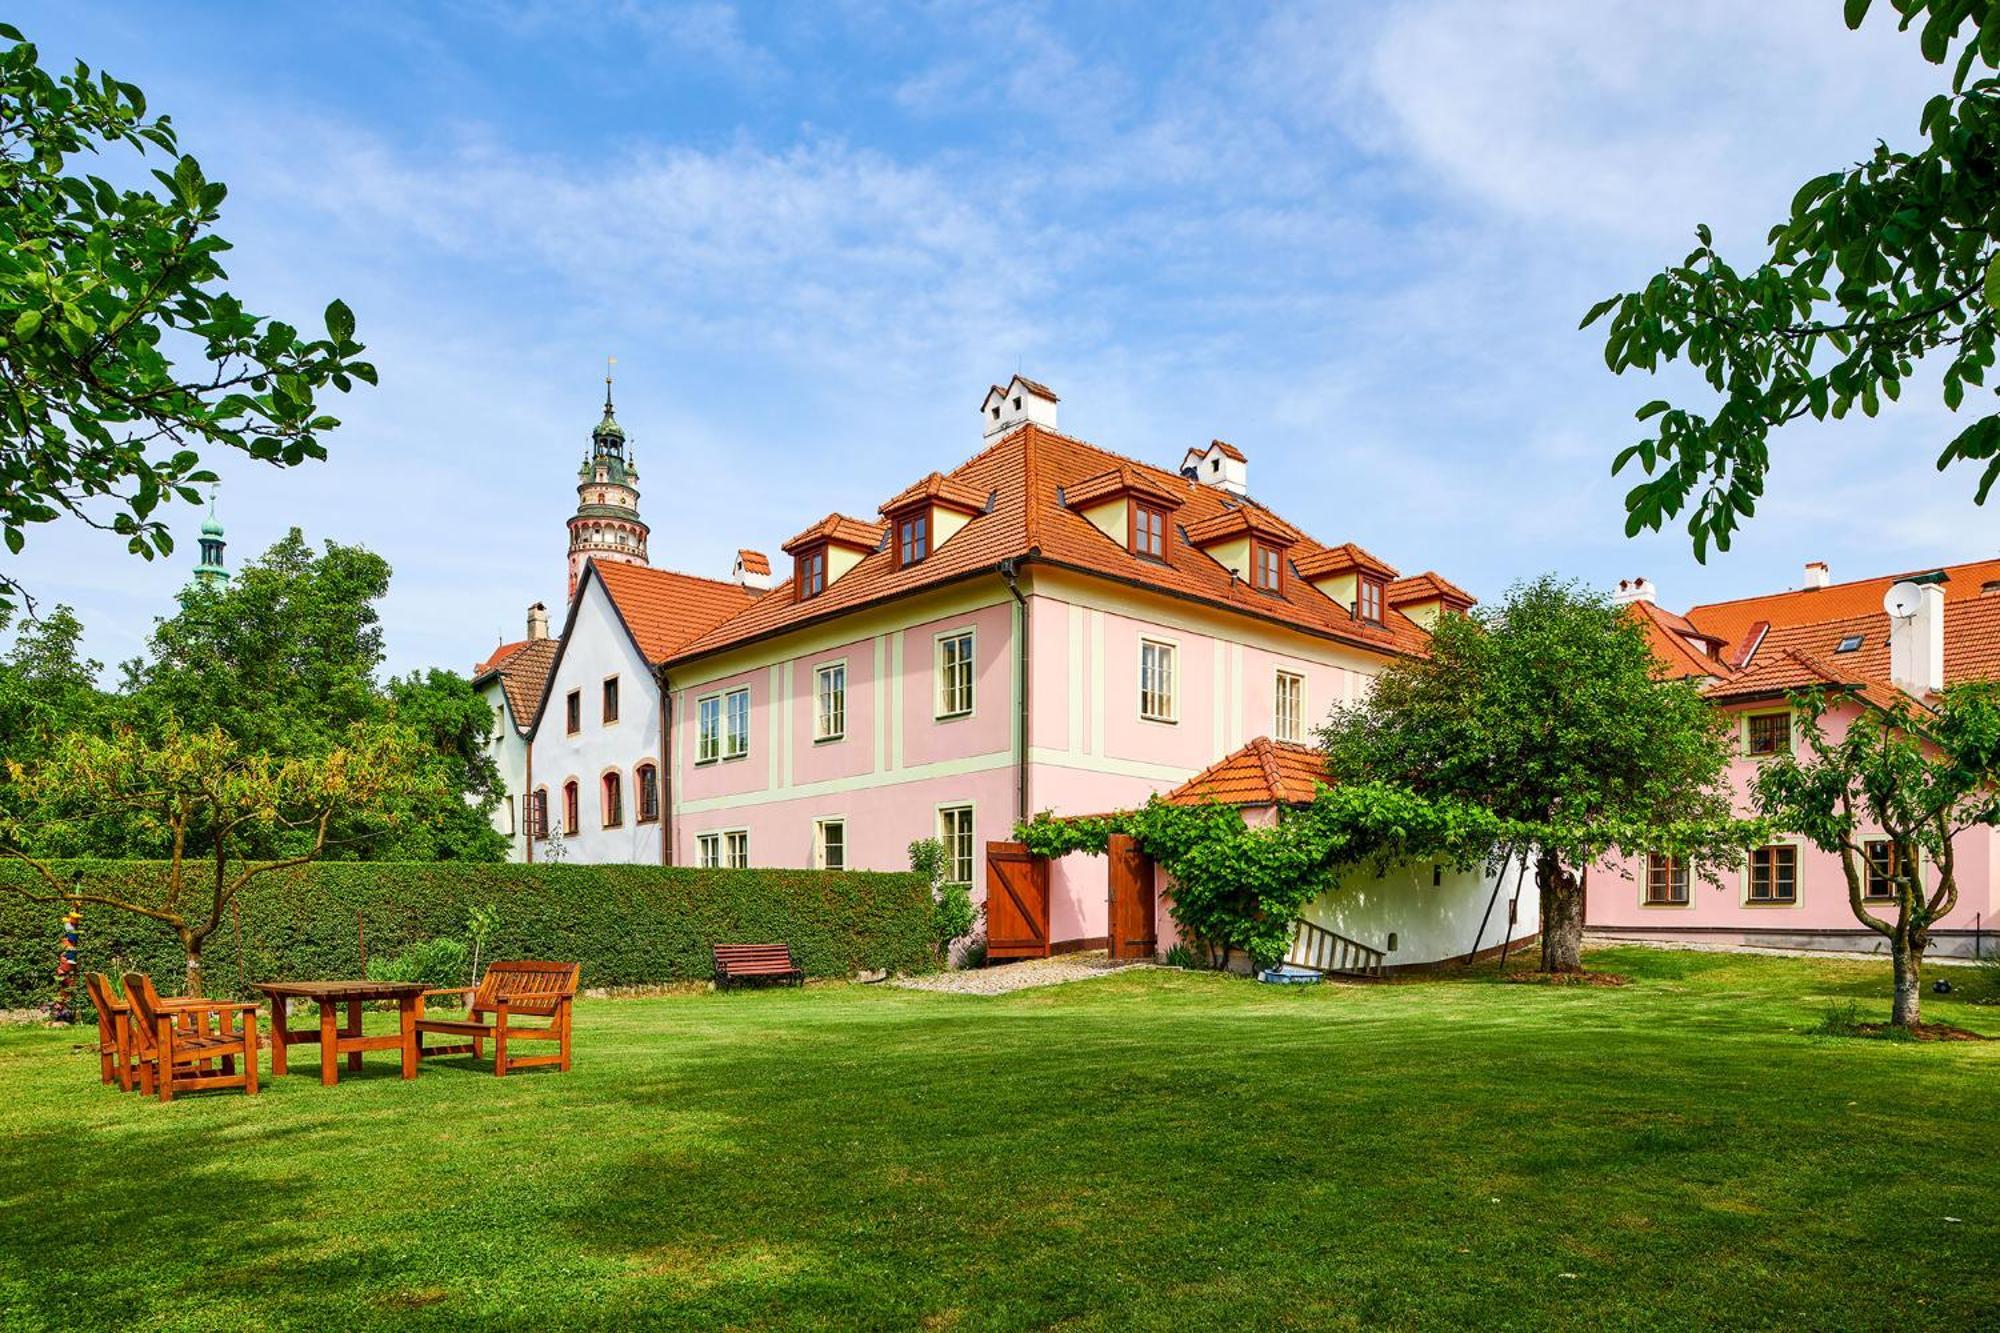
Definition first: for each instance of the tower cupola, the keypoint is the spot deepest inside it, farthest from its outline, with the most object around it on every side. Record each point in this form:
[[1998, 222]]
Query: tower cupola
[[606, 525], [211, 570]]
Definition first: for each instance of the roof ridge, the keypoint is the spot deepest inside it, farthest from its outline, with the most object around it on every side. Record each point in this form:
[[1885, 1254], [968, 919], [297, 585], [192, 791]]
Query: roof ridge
[[1844, 583], [1267, 759], [641, 570]]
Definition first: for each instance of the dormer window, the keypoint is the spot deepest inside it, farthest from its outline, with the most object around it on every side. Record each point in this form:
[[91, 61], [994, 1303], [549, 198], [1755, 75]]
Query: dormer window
[[913, 538], [1368, 601], [812, 572], [1268, 567], [1149, 531]]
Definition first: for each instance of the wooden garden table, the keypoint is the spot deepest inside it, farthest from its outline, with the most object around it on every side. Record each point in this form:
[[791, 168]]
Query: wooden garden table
[[347, 1039]]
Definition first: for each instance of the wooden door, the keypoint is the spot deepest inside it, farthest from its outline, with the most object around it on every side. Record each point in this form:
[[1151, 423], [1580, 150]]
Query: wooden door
[[1017, 902], [1131, 928]]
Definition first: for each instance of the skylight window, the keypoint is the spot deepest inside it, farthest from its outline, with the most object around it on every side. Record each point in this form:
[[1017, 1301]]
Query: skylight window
[[1852, 643]]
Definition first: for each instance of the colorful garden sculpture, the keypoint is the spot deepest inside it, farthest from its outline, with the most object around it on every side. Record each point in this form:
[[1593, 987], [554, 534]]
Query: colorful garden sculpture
[[62, 1009]]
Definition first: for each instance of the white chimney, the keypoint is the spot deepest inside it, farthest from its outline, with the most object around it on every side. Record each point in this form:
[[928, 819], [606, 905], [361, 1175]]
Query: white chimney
[[752, 569], [538, 622], [1221, 465], [1916, 637], [1634, 590], [1817, 574], [1021, 402]]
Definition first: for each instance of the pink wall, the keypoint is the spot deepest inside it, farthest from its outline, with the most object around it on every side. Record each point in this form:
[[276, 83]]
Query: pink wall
[[990, 727], [854, 753], [725, 777]]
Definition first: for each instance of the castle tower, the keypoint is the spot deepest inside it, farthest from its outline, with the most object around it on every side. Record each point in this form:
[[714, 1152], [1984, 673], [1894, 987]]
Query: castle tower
[[606, 525], [211, 569]]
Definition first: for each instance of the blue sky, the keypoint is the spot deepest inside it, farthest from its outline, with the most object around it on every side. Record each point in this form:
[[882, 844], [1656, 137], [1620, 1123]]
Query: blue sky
[[1353, 239]]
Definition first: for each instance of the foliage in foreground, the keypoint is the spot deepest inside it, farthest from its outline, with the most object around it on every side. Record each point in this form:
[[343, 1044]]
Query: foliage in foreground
[[629, 925], [1879, 266], [99, 287]]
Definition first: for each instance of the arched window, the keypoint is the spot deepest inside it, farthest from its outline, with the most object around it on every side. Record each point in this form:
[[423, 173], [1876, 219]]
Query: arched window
[[538, 814], [614, 801], [648, 779], [570, 825]]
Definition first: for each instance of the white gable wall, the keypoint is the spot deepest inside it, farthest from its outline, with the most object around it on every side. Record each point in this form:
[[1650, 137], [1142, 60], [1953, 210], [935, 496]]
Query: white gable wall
[[597, 646], [509, 752]]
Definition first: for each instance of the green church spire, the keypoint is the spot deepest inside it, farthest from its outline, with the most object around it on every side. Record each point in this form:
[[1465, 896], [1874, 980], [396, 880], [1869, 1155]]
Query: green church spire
[[211, 569]]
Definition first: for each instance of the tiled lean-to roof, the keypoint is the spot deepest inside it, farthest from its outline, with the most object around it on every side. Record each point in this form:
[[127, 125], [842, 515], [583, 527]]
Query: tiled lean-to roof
[[1264, 772], [1025, 473]]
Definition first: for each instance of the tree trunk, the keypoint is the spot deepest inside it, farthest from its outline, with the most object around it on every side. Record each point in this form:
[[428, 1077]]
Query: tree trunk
[[192, 943], [1562, 914], [1908, 958]]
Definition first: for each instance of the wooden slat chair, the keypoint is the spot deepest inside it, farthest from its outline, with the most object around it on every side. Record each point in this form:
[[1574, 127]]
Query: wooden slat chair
[[738, 963], [114, 1030], [174, 1047], [508, 992]]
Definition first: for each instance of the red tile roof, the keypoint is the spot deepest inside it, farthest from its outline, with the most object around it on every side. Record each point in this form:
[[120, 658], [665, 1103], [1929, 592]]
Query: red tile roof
[[1340, 559], [842, 530], [500, 654], [1793, 656], [753, 562], [1023, 471], [1228, 450], [1120, 480], [1264, 772], [1429, 586], [1242, 522], [938, 489], [1731, 621], [1665, 635], [524, 674], [666, 611]]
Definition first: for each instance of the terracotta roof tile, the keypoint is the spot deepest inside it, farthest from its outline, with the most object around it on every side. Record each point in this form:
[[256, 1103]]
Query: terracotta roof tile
[[1264, 772], [939, 489], [1228, 450], [855, 532], [1241, 522], [1678, 659], [753, 562], [1120, 480], [500, 654], [1730, 621], [1339, 559], [524, 674], [1429, 586], [1023, 471], [1793, 656], [666, 610]]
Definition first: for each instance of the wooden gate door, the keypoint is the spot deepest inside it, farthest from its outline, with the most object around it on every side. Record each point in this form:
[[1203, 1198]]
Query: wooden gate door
[[1017, 902], [1131, 928]]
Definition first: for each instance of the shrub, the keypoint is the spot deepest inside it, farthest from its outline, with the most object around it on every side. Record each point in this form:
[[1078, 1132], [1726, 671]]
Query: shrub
[[1181, 955], [953, 914], [439, 962], [629, 925]]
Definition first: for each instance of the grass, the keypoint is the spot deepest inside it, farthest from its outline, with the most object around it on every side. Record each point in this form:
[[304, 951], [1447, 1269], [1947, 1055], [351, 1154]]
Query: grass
[[1155, 1149]]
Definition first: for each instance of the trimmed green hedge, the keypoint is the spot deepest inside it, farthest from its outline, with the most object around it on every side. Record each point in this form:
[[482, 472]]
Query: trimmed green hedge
[[627, 924]]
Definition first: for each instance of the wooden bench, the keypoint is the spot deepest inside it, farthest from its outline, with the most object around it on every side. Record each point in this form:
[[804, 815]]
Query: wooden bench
[[738, 963], [507, 992]]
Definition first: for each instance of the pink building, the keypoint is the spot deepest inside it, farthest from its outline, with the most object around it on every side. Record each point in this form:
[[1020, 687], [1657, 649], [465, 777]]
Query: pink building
[[1048, 626], [1750, 655]]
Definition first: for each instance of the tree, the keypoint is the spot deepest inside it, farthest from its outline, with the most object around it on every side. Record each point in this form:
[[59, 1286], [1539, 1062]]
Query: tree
[[46, 684], [1921, 777], [100, 288], [1546, 712], [205, 797], [1878, 267]]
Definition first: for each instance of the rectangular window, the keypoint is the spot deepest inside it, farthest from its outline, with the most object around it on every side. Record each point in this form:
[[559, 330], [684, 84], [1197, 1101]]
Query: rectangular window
[[571, 819], [1666, 880], [830, 844], [611, 699], [812, 573], [1269, 563], [735, 724], [1156, 681], [1770, 733], [538, 814], [573, 711], [913, 539], [1290, 722], [1149, 531], [649, 793], [954, 674], [955, 832], [1883, 867], [1368, 601], [613, 801], [736, 850], [830, 702], [708, 850], [708, 729], [1774, 874]]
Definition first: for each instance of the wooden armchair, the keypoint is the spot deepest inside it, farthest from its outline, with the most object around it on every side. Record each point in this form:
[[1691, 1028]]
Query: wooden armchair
[[508, 992], [114, 1030], [174, 1047]]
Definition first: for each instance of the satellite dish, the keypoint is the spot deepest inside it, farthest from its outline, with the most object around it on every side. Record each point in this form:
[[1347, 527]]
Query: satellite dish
[[1901, 600]]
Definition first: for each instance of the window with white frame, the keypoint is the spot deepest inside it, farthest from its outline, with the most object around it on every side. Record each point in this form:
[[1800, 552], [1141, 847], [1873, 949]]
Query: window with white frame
[[735, 724], [830, 702], [1290, 722], [1774, 874], [830, 844], [708, 729], [736, 849], [954, 674], [1156, 680], [708, 850], [955, 832]]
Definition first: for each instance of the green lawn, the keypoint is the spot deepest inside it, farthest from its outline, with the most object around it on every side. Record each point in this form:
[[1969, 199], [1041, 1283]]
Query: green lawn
[[1154, 1149]]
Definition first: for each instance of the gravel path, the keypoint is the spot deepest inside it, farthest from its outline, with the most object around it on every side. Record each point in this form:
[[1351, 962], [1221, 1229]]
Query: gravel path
[[1848, 955], [1005, 977]]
